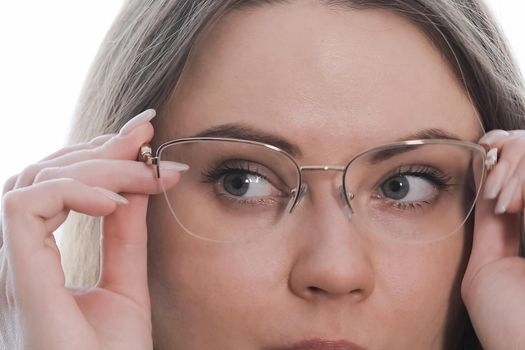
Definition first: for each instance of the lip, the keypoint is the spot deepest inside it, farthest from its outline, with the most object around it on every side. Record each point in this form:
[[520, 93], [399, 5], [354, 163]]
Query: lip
[[320, 344]]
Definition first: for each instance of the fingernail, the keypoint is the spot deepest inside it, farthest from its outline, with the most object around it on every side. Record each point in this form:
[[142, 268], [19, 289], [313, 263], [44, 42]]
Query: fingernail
[[495, 181], [112, 195], [167, 165], [139, 119], [506, 196], [493, 136], [491, 192], [101, 139]]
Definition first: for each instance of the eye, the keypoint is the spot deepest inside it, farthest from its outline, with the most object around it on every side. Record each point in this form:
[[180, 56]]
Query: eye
[[242, 183], [409, 188]]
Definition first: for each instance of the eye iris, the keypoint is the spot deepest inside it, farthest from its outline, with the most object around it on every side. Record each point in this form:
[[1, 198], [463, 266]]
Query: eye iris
[[396, 188], [236, 184]]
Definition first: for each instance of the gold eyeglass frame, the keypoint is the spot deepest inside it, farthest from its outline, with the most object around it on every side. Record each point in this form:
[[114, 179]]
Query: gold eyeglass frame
[[490, 159]]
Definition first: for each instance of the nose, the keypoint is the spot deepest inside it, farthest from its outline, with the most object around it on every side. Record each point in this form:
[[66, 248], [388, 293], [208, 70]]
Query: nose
[[333, 259], [345, 196]]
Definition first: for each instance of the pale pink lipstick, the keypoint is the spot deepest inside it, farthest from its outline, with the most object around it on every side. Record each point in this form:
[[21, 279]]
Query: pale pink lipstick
[[320, 344]]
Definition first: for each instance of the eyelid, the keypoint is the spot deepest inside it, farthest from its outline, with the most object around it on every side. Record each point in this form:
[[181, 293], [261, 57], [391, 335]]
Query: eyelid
[[436, 176], [227, 166]]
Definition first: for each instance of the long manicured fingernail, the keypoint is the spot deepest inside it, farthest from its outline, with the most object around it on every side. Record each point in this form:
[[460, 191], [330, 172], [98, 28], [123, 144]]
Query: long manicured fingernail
[[139, 119], [492, 136], [506, 196], [491, 192], [495, 180], [101, 139], [167, 165], [112, 195]]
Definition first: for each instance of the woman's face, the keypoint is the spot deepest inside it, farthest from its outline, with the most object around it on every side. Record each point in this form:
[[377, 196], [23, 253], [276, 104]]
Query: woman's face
[[333, 82]]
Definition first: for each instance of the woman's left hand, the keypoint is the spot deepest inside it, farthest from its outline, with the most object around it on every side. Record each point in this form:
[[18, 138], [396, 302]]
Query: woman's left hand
[[493, 287]]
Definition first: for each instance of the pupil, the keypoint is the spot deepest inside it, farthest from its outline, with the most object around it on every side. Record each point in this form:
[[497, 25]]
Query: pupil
[[396, 188], [236, 184]]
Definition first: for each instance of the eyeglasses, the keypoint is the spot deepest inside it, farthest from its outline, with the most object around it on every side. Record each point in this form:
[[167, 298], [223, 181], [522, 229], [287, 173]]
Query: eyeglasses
[[239, 190]]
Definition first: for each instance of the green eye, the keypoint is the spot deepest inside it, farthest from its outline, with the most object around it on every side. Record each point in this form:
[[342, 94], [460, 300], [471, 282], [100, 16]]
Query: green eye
[[237, 183], [396, 187]]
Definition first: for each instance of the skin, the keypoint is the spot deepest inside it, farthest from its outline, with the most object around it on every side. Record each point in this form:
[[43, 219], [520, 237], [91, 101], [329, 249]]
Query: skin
[[319, 279], [250, 296]]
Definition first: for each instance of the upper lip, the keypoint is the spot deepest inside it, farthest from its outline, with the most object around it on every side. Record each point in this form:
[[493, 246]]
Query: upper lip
[[320, 344]]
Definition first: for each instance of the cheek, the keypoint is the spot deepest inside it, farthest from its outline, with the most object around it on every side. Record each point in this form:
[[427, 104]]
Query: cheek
[[211, 293], [214, 286], [421, 284], [217, 273]]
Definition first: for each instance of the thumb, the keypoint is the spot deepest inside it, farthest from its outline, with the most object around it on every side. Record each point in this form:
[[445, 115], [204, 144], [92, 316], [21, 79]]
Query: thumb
[[496, 236], [124, 250]]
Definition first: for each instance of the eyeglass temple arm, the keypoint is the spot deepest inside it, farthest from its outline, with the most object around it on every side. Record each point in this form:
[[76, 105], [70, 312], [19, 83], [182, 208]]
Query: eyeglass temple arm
[[146, 156]]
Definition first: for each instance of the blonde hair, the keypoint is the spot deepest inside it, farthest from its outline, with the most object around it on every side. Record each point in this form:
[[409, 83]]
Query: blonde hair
[[145, 50]]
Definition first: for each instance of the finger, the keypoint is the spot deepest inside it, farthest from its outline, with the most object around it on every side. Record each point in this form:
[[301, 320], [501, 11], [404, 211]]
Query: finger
[[117, 175], [124, 250], [8, 186], [33, 261], [118, 147], [512, 198], [141, 118], [10, 183], [496, 179], [510, 194], [511, 148], [495, 237], [514, 188], [137, 122], [97, 141], [496, 137], [30, 215], [124, 247], [491, 137]]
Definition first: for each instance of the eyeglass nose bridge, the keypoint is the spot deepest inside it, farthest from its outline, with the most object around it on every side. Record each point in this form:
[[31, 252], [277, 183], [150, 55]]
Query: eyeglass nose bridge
[[344, 196]]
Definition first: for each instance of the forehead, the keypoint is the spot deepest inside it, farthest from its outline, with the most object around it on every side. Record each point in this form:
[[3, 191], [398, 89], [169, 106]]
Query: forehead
[[319, 75]]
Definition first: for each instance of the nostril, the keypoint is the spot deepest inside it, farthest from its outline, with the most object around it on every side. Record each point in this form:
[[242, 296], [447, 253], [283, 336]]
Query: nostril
[[314, 290], [357, 294]]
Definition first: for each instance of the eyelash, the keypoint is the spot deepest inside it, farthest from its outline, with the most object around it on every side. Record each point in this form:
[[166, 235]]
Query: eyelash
[[438, 178], [441, 180], [214, 173]]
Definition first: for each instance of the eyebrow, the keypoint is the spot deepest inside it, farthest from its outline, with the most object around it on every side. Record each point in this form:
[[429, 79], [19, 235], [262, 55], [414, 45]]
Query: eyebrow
[[429, 134], [240, 131], [244, 132], [425, 134]]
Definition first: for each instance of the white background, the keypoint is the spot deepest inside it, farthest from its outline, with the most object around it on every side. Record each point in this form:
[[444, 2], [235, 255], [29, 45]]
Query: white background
[[46, 50]]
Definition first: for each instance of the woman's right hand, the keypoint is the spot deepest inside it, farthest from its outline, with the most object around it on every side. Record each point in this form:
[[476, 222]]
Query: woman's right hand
[[37, 311]]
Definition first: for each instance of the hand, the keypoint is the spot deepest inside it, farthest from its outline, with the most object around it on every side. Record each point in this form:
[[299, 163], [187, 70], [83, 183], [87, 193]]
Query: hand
[[493, 286], [36, 310]]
